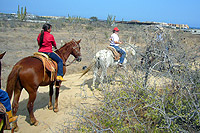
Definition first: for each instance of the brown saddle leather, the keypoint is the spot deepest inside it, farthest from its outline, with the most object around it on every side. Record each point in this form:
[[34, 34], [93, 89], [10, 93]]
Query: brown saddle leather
[[49, 64], [115, 53]]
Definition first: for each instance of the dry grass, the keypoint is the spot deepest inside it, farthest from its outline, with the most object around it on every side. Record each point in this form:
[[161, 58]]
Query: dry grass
[[19, 40]]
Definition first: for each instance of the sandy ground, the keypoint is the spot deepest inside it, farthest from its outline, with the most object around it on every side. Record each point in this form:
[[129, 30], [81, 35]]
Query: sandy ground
[[71, 97]]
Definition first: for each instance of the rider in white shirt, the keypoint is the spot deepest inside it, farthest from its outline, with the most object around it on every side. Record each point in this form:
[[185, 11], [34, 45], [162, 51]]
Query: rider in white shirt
[[114, 42]]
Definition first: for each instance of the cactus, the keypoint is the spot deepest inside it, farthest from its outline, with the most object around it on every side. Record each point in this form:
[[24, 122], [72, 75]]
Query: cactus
[[71, 19], [114, 19], [22, 15], [122, 20], [111, 20], [18, 13], [74, 19]]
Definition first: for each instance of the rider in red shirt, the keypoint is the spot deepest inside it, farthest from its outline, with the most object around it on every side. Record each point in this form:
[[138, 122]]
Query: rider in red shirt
[[48, 41], [45, 42]]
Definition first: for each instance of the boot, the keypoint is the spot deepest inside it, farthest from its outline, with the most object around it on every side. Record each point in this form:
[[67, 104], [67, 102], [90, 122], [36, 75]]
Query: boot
[[11, 118], [60, 78]]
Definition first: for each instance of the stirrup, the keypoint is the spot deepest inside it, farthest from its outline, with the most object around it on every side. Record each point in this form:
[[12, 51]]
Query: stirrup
[[15, 119], [60, 78], [120, 65]]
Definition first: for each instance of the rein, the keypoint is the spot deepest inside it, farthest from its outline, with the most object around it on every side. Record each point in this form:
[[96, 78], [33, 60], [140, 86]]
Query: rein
[[70, 62], [130, 45]]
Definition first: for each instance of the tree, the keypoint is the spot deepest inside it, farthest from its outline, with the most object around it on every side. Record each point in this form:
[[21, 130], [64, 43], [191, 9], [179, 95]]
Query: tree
[[93, 18]]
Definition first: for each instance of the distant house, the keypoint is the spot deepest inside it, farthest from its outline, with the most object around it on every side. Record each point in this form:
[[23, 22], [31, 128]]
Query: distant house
[[31, 16], [135, 21], [195, 31], [178, 26]]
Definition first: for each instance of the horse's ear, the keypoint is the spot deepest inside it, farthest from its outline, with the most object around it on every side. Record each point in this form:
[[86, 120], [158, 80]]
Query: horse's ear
[[1, 55], [79, 41]]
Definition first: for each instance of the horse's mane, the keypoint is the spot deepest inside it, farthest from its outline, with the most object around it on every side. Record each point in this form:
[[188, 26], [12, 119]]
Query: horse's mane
[[67, 44]]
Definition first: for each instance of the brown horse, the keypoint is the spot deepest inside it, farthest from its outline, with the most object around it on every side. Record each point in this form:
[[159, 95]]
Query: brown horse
[[28, 73]]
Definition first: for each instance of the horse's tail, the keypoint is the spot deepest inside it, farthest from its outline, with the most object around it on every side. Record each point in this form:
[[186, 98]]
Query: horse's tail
[[12, 80], [89, 67]]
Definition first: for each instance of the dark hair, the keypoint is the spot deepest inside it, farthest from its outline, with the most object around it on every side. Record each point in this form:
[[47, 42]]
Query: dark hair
[[45, 27], [115, 31]]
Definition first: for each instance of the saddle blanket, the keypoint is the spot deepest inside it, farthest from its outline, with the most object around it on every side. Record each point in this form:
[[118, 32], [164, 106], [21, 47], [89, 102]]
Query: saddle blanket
[[48, 63], [115, 53]]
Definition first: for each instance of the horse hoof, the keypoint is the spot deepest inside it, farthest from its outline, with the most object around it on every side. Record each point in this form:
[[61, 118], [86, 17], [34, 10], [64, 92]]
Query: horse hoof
[[55, 109], [50, 107], [16, 129], [35, 123]]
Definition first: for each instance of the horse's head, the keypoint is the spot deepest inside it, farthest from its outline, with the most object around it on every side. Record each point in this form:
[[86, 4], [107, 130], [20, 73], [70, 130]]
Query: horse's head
[[72, 47], [130, 49], [76, 50]]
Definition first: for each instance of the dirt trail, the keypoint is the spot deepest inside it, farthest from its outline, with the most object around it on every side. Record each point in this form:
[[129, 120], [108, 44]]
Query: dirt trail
[[71, 96]]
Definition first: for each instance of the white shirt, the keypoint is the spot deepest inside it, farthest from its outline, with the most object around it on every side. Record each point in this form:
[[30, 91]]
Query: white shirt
[[114, 37]]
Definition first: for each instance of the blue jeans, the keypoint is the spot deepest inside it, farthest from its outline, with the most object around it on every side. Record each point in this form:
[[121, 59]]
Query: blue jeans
[[122, 52], [58, 60]]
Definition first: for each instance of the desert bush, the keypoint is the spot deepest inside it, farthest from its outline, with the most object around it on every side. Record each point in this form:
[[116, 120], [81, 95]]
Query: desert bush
[[106, 35], [35, 25], [58, 24], [159, 93], [90, 28], [159, 90]]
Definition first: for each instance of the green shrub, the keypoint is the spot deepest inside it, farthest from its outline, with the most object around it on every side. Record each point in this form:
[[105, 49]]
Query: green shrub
[[89, 28]]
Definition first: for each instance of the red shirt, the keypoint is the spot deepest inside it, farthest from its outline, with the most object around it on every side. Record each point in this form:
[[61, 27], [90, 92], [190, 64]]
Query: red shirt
[[48, 41]]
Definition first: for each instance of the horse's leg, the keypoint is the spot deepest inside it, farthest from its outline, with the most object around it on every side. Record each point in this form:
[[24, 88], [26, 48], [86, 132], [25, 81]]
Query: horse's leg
[[103, 74], [50, 106], [58, 83], [30, 105], [15, 105], [94, 76]]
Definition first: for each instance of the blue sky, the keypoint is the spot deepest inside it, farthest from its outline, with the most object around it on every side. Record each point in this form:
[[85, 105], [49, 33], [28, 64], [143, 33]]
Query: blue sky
[[170, 11]]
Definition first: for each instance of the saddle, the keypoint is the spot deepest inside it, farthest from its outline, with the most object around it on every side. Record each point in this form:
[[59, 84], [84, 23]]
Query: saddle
[[49, 64], [115, 53]]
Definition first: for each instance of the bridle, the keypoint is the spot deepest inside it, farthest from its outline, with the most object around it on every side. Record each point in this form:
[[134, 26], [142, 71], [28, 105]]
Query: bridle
[[74, 48]]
